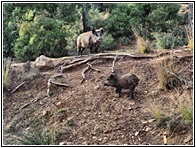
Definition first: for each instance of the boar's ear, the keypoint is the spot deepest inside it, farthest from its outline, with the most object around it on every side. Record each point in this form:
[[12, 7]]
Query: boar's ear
[[101, 29], [93, 31]]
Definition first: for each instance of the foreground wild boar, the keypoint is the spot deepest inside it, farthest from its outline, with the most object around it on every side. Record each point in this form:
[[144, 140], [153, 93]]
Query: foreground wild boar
[[127, 81], [89, 39]]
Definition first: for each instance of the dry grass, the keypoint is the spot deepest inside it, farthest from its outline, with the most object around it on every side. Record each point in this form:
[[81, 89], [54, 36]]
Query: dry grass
[[142, 45], [164, 77], [190, 40], [7, 73], [185, 108], [168, 75]]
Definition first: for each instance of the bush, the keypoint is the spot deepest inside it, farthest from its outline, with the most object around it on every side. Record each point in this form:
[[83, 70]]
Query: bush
[[163, 40], [43, 36], [142, 45], [180, 37], [124, 41], [120, 20], [108, 43]]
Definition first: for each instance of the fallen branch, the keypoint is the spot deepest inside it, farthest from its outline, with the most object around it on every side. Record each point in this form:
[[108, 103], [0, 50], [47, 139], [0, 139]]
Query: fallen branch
[[83, 62], [93, 67], [25, 105], [83, 74], [182, 80], [67, 63], [59, 84], [18, 86], [85, 70], [113, 63], [52, 82]]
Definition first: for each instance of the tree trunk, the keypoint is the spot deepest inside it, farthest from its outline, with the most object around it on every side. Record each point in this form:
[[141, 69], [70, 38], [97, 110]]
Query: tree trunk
[[190, 19], [84, 19]]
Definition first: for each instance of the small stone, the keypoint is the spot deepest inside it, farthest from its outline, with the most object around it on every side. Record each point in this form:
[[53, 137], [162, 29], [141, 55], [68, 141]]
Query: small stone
[[45, 112], [84, 143], [148, 129], [96, 87], [59, 103], [136, 133], [151, 120], [62, 143], [144, 122]]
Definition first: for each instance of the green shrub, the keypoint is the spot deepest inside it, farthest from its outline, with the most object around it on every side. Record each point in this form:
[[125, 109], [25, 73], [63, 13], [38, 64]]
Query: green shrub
[[121, 18], [163, 40], [38, 136], [124, 41], [186, 110], [43, 36], [108, 43]]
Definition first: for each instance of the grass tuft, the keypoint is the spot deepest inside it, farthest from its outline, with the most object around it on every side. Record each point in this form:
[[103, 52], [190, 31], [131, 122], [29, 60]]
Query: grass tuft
[[142, 45], [7, 72]]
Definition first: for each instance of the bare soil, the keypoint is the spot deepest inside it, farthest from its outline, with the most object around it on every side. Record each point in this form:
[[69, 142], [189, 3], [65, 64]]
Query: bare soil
[[91, 113]]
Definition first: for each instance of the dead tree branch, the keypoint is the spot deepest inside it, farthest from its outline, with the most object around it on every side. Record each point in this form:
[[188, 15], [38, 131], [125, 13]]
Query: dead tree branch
[[51, 82], [83, 62], [85, 70], [25, 105], [93, 67], [182, 80], [113, 63], [83, 74], [18, 86]]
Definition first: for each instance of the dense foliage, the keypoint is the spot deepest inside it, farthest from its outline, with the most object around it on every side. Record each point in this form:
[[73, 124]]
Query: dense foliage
[[32, 29]]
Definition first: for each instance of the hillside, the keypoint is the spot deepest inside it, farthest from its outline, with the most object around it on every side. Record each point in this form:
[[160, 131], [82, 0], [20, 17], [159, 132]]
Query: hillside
[[91, 113]]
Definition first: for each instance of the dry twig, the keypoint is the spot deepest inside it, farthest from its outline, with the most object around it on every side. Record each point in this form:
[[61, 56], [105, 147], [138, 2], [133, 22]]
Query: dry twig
[[85, 70], [113, 63], [19, 86]]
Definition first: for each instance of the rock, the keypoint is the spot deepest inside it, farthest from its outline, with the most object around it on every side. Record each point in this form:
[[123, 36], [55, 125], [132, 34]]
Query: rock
[[46, 113], [148, 129], [145, 92], [59, 103], [136, 133], [151, 120], [97, 87], [144, 122], [84, 143], [62, 143], [43, 62]]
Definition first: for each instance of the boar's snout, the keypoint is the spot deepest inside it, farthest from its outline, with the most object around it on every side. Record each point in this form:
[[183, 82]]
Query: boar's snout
[[100, 40]]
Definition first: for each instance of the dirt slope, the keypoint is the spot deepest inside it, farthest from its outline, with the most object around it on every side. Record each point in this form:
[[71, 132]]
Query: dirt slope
[[90, 113]]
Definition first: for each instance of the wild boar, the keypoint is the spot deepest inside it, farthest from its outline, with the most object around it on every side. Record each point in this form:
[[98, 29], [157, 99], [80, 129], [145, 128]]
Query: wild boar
[[127, 81], [89, 39]]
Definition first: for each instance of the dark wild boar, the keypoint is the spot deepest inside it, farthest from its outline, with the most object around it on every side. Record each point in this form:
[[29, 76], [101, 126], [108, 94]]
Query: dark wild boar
[[127, 81], [89, 39]]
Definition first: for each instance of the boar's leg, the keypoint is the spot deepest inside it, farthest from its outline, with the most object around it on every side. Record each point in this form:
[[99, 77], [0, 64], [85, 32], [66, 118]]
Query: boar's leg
[[118, 90], [91, 49], [79, 51], [132, 93], [96, 49]]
